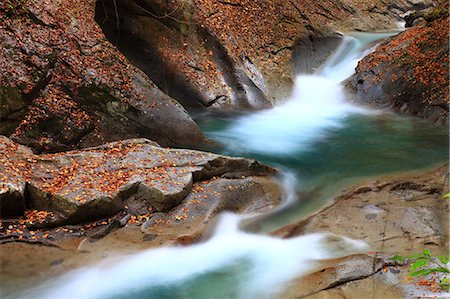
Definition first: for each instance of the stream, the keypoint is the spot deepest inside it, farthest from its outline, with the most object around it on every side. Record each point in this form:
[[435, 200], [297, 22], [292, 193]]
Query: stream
[[321, 144]]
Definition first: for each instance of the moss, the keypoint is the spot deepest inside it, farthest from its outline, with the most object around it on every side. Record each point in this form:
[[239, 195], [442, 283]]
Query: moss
[[95, 96], [100, 99], [436, 13], [116, 108], [10, 100]]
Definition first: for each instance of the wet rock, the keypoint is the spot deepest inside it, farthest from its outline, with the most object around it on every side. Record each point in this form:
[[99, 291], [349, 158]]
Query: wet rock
[[210, 197], [226, 55], [401, 226], [409, 73], [98, 182], [12, 109], [13, 184], [310, 53], [70, 88]]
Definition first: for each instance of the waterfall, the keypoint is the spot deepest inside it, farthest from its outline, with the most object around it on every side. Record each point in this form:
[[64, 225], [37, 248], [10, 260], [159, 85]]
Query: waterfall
[[234, 263], [317, 104]]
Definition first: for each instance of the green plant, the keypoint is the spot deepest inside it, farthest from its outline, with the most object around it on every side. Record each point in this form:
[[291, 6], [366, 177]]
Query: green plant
[[424, 263]]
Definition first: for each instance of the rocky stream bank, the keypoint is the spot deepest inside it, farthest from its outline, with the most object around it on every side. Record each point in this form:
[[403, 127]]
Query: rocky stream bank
[[86, 85]]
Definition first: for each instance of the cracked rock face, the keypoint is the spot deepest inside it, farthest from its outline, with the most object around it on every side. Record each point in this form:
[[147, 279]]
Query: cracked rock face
[[394, 216], [64, 86], [98, 182], [230, 54]]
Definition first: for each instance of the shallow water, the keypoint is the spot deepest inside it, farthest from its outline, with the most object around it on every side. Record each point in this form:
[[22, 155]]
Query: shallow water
[[320, 143], [324, 141], [361, 146]]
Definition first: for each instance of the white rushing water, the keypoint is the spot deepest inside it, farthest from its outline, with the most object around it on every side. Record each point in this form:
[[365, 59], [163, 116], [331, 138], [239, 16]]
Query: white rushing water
[[261, 264], [318, 103], [272, 262]]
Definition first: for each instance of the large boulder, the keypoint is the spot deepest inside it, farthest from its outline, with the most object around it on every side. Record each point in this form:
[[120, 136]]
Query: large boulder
[[12, 179], [64, 86], [135, 174], [75, 202], [232, 54], [395, 215], [409, 73]]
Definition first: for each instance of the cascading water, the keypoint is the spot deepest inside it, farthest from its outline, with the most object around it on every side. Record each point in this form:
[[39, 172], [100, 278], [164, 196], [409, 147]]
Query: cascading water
[[319, 141], [325, 141], [295, 124], [232, 264], [317, 104]]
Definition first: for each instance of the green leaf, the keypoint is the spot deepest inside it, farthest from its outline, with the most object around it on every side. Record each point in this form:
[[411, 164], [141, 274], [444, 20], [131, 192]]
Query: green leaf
[[418, 264], [445, 283], [426, 252], [399, 258], [447, 195], [416, 256], [444, 259], [443, 270], [423, 272]]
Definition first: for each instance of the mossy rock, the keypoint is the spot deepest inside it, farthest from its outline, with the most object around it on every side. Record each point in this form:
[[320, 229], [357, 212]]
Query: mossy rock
[[95, 96], [10, 101]]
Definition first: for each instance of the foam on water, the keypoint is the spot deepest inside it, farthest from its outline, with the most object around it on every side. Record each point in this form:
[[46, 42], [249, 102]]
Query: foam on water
[[317, 104], [273, 262], [262, 263]]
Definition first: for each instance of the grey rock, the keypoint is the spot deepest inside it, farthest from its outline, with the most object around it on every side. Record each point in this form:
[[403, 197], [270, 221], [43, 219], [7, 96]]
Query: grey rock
[[100, 181]]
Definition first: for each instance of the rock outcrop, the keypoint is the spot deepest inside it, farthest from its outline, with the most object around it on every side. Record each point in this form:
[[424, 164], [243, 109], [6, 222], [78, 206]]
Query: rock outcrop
[[120, 197], [409, 73], [136, 175], [64, 86], [232, 54], [394, 216]]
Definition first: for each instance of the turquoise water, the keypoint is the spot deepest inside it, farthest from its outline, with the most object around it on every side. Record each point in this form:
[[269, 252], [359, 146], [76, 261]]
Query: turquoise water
[[324, 141], [364, 145], [320, 144]]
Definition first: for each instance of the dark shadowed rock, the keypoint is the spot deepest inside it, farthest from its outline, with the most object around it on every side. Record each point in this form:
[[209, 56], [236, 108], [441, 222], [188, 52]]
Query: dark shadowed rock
[[12, 179], [230, 55], [64, 86], [309, 54], [12, 108], [409, 73]]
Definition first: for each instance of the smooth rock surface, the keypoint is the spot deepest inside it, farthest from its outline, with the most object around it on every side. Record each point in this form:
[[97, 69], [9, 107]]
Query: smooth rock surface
[[98, 182], [395, 215]]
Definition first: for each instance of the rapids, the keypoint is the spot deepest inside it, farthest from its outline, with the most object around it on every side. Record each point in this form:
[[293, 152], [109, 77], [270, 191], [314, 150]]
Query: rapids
[[320, 142]]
